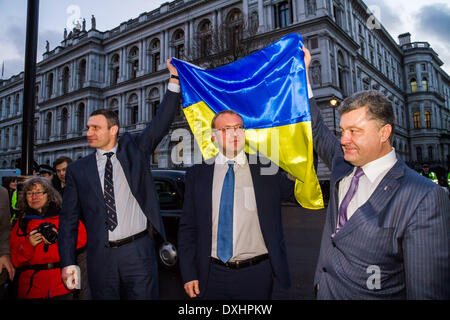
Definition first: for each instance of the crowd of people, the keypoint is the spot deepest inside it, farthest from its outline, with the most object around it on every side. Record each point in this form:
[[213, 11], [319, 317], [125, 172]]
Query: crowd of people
[[382, 216]]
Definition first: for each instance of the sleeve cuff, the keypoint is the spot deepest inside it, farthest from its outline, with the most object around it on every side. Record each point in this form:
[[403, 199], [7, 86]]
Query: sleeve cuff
[[310, 92], [173, 87]]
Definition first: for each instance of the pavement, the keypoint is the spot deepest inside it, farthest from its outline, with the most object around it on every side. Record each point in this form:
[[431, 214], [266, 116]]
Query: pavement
[[302, 233]]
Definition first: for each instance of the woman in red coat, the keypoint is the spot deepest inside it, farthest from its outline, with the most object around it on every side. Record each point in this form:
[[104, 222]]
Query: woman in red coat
[[33, 242]]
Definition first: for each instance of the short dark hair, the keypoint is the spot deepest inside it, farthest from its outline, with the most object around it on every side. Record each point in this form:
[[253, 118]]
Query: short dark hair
[[380, 108], [60, 160], [213, 121], [111, 116]]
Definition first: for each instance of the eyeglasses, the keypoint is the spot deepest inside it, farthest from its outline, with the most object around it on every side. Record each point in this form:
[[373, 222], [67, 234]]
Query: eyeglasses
[[38, 194], [231, 130]]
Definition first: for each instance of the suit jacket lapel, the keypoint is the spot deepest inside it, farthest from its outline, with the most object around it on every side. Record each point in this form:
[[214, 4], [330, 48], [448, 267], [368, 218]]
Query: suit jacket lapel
[[205, 182], [255, 171], [341, 169], [93, 177], [374, 208]]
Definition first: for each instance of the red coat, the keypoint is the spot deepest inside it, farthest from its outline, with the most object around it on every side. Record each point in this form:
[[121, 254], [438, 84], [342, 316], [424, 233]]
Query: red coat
[[45, 283]]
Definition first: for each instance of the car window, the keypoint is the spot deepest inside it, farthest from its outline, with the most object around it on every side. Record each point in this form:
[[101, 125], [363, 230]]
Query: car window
[[168, 197]]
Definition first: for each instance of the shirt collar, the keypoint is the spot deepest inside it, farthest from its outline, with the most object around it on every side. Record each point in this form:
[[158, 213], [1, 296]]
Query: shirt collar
[[100, 152], [239, 160], [376, 167]]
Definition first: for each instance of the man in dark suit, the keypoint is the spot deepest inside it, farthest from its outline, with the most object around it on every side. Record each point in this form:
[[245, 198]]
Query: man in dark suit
[[112, 190], [230, 238], [387, 232]]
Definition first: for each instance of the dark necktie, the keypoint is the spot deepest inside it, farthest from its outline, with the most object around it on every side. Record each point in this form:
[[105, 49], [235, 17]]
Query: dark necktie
[[109, 194], [225, 228], [348, 197]]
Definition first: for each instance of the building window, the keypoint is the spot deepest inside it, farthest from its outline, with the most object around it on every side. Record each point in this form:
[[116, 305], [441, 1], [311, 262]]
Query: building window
[[413, 84], [65, 80], [416, 120], [49, 85], [430, 153], [114, 107], [80, 117], [282, 14], [427, 119], [81, 73], [424, 84], [205, 38], [133, 62], [412, 68], [64, 118], [178, 44], [153, 99], [314, 43], [48, 125], [155, 46], [234, 28], [133, 109], [423, 67], [115, 68], [419, 154]]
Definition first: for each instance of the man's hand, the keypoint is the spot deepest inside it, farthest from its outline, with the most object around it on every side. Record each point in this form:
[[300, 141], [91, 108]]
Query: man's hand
[[307, 57], [191, 288], [172, 70], [5, 262], [70, 277]]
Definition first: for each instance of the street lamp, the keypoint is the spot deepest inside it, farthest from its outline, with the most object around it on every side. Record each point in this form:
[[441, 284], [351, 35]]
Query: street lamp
[[334, 103]]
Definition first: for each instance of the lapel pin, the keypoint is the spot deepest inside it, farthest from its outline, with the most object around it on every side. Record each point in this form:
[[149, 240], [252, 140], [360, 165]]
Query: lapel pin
[[385, 188]]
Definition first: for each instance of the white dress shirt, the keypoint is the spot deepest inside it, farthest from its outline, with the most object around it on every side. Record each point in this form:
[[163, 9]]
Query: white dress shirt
[[374, 172], [248, 241], [130, 217]]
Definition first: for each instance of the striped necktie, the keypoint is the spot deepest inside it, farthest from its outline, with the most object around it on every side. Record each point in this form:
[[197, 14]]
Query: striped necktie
[[108, 194]]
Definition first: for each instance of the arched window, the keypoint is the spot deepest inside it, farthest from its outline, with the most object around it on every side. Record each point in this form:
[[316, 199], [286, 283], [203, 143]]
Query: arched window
[[8, 107], [48, 125], [154, 101], [282, 14], [65, 80], [114, 106], [413, 84], [419, 154], [64, 121], [430, 153], [16, 104], [115, 68], [7, 139], [427, 119], [133, 109], [342, 73], [155, 48], [424, 84], [205, 38], [416, 119], [234, 28], [81, 73], [80, 117], [16, 136], [49, 85], [133, 62], [178, 44]]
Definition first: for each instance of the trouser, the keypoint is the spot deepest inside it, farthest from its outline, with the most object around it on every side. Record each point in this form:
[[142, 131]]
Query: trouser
[[130, 272], [251, 283]]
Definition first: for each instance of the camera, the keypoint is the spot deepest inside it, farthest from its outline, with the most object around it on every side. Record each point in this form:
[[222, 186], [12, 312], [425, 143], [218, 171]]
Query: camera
[[46, 229]]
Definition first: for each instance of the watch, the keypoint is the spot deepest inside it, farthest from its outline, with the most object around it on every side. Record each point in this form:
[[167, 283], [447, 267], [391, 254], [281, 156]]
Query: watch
[[174, 77]]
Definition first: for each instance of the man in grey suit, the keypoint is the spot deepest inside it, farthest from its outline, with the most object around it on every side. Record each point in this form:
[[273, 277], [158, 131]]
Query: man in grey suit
[[387, 231]]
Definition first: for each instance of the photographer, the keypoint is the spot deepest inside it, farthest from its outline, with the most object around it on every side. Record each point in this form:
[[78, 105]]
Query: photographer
[[33, 242]]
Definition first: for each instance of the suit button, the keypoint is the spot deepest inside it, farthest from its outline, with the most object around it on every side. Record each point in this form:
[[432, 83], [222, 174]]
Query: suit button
[[324, 269]]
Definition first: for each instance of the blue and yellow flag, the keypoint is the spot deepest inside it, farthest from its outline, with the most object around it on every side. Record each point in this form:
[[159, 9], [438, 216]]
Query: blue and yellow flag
[[268, 89]]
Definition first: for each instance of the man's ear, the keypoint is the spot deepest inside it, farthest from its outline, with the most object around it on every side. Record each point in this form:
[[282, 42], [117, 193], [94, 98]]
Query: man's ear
[[386, 132], [114, 130]]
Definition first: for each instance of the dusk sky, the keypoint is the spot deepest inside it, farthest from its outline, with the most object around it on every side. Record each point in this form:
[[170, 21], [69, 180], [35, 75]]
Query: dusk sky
[[425, 20]]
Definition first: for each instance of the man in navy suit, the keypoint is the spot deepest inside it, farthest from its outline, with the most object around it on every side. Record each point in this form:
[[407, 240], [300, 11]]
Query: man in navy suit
[[230, 238], [387, 232], [112, 190]]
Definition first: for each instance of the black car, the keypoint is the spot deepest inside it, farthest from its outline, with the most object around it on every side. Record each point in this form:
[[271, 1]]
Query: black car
[[170, 188]]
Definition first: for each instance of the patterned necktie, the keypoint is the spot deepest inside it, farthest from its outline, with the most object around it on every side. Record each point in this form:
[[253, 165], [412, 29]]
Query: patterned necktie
[[348, 197], [109, 194], [225, 228]]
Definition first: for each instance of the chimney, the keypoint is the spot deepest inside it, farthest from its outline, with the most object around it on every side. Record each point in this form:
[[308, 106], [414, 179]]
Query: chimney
[[404, 38]]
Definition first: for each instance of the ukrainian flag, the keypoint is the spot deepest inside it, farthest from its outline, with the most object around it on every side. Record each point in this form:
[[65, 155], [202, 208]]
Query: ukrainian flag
[[268, 89]]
